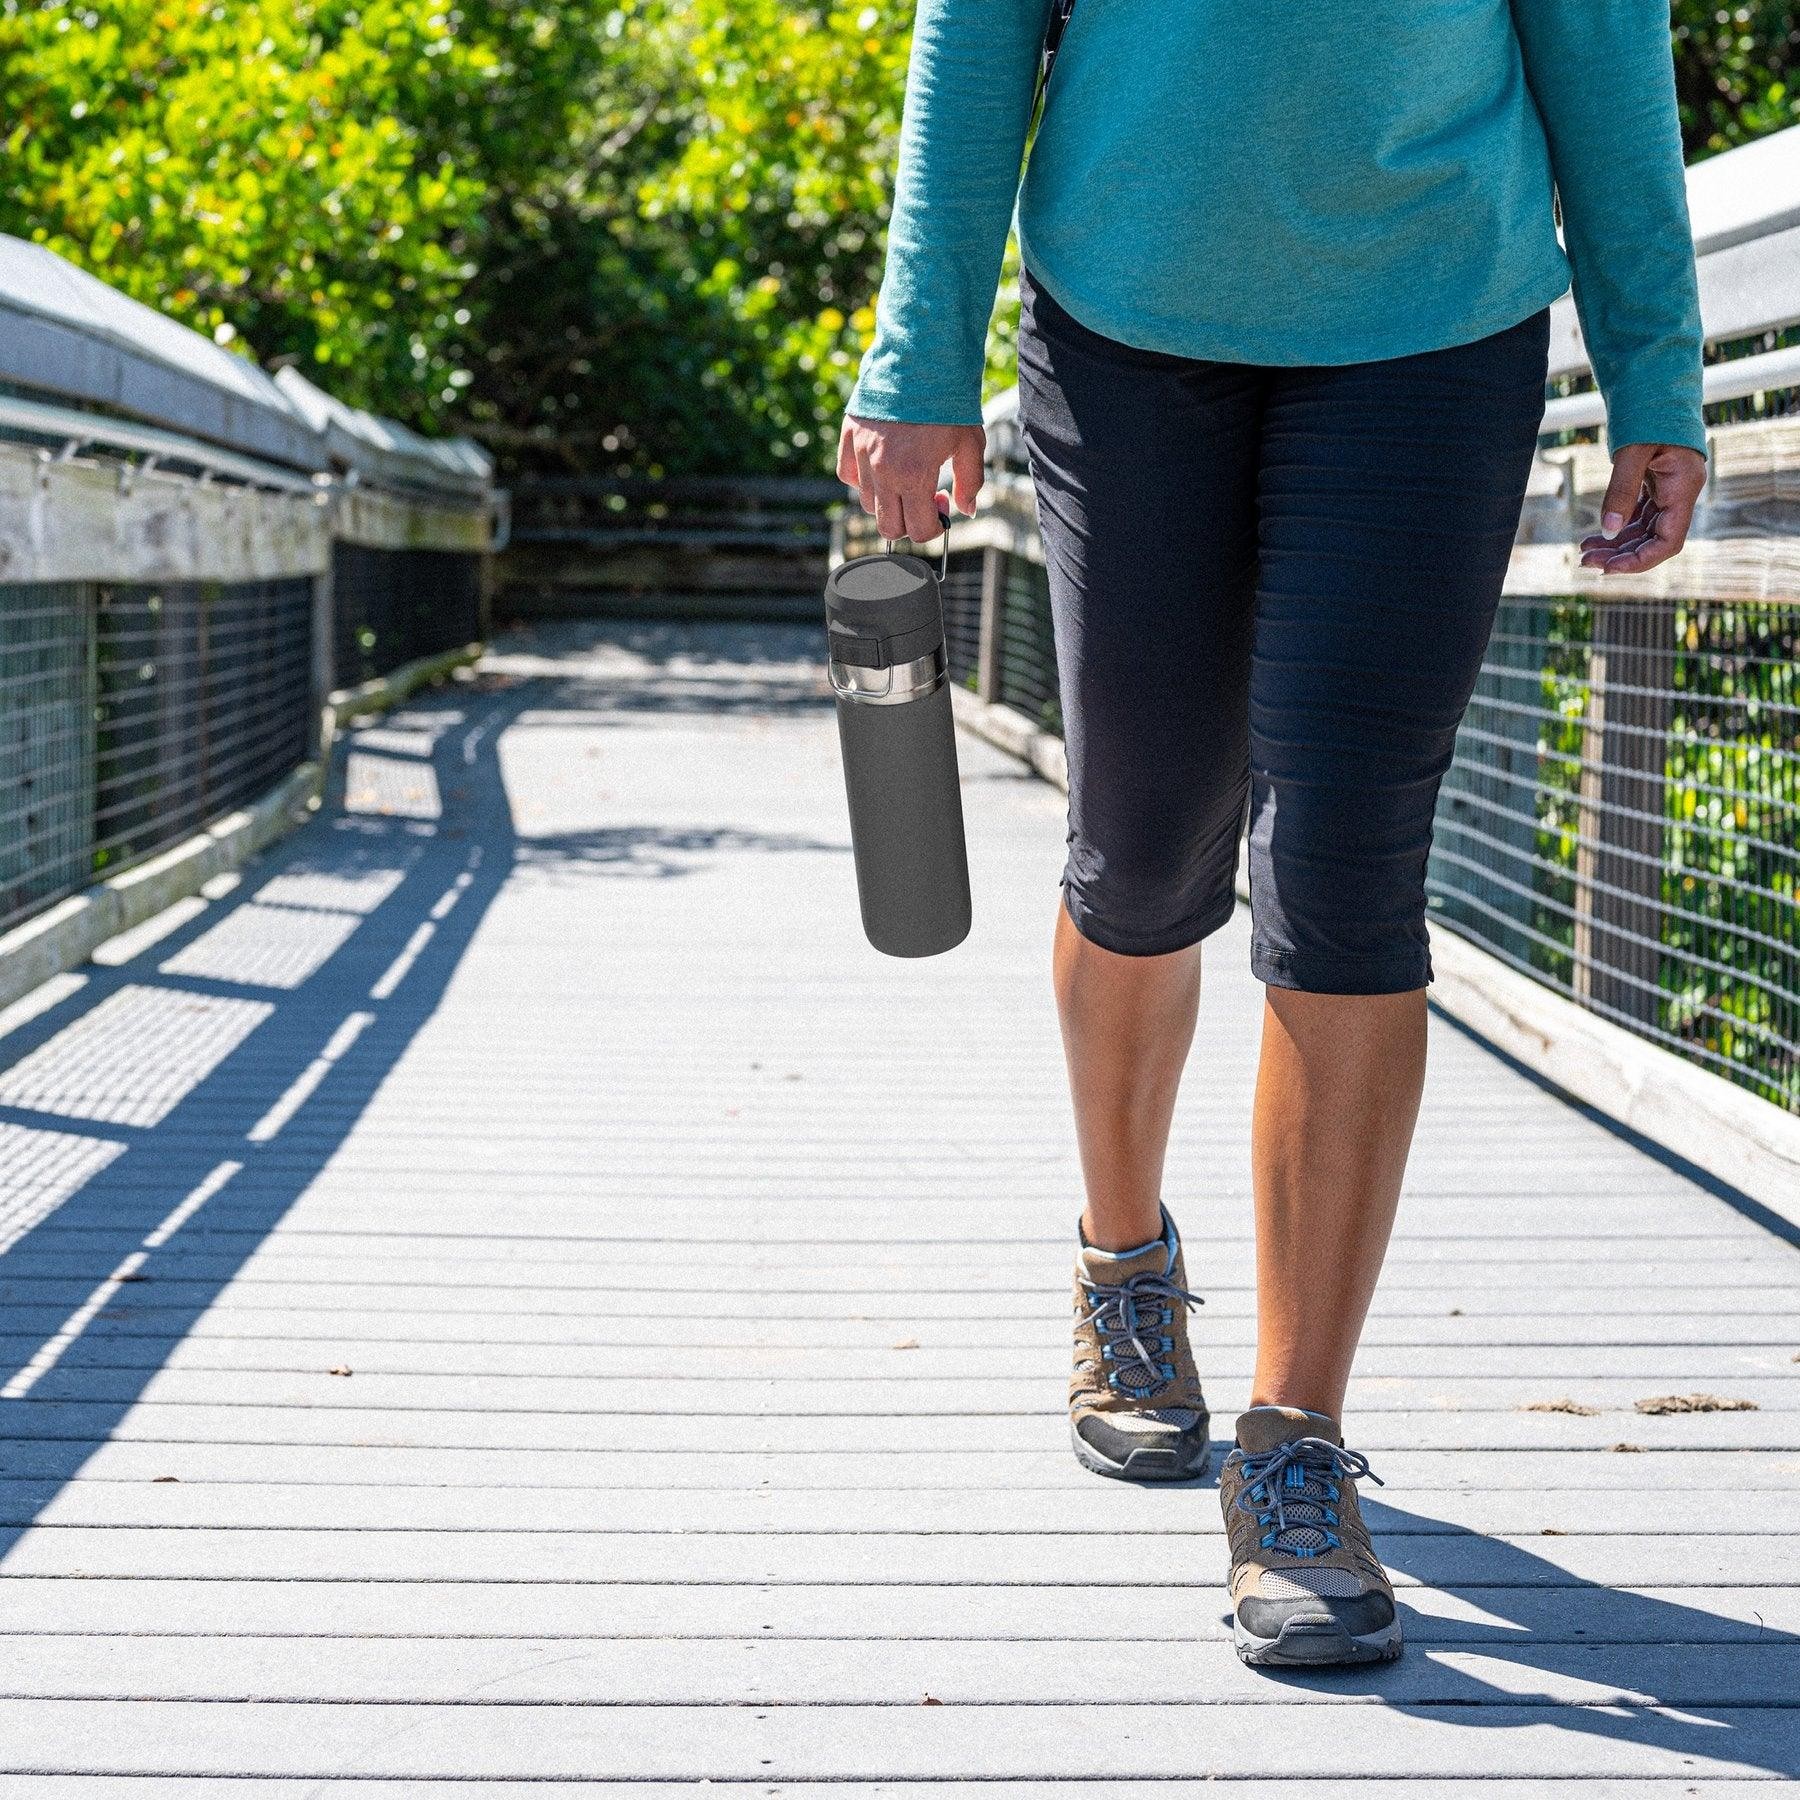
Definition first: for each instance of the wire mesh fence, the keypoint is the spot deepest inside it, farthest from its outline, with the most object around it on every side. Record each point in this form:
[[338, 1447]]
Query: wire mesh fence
[[135, 714], [1013, 590], [392, 606], [1622, 821], [1622, 817], [173, 518], [962, 616], [47, 729], [1025, 666]]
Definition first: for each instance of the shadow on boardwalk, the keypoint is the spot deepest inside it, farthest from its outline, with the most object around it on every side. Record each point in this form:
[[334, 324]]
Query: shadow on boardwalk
[[210, 1085], [158, 1122], [1688, 1728], [193, 1093]]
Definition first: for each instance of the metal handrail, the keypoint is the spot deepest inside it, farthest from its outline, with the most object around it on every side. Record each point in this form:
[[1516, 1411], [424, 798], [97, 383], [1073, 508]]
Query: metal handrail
[[1765, 373], [75, 430]]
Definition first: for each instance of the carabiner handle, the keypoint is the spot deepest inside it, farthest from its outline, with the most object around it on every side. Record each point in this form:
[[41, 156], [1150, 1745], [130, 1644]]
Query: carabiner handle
[[888, 544]]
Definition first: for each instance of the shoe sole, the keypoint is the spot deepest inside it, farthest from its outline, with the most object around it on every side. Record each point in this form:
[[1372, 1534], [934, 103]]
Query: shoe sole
[[1316, 1643], [1147, 1464]]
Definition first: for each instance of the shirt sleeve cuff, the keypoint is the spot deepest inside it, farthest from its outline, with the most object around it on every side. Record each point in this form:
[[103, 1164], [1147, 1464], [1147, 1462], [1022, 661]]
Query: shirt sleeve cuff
[[913, 405], [1655, 413]]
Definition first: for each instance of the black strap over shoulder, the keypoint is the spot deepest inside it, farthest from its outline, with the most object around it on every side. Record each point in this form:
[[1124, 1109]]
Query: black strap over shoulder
[[1055, 24]]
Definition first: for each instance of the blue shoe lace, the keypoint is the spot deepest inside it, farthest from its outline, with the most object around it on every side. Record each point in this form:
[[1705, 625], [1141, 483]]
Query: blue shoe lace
[[1134, 1305], [1292, 1493]]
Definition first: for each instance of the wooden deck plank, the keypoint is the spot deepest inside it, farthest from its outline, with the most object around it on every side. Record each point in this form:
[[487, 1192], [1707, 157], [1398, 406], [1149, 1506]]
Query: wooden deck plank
[[501, 1740], [213, 1505], [804, 1272], [103, 1787], [385, 1464], [992, 1437], [723, 1332], [1772, 1299], [520, 1101], [823, 1372], [1076, 1617], [1188, 1561], [869, 1672], [824, 1397]]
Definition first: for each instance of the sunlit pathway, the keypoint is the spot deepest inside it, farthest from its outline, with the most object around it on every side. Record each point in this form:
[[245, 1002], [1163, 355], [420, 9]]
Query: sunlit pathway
[[520, 1292]]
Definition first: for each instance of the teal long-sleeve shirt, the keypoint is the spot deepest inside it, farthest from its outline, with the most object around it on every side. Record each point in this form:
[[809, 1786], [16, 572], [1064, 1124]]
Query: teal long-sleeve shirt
[[1295, 182]]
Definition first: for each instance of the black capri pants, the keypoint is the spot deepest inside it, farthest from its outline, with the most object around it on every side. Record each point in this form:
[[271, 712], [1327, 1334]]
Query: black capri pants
[[1271, 589]]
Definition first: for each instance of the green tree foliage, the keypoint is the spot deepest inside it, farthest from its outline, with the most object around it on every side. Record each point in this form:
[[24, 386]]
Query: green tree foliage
[[1736, 70], [789, 123], [603, 234], [315, 177], [694, 289]]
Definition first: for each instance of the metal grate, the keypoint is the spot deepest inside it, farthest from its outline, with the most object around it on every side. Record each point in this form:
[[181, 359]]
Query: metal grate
[[1622, 816], [46, 743], [135, 714], [393, 606], [1027, 679], [962, 616], [1622, 821]]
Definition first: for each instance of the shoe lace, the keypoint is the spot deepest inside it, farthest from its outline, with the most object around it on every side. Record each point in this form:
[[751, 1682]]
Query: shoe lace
[[1122, 1312], [1292, 1493]]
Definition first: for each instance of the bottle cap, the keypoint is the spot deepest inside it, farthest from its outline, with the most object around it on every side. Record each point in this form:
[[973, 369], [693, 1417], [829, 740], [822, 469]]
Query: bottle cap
[[882, 611]]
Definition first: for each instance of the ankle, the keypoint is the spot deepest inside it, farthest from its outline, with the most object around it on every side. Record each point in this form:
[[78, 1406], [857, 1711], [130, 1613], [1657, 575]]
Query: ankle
[[1117, 1230], [1300, 1396]]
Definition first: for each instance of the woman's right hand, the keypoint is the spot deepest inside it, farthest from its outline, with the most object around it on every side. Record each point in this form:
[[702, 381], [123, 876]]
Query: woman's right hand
[[894, 468]]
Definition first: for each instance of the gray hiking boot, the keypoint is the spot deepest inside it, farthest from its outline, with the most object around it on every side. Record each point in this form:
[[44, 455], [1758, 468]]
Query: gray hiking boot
[[1135, 1405], [1306, 1586]]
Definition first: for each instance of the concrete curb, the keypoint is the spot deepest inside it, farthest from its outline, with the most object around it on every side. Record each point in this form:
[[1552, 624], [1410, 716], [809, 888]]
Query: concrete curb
[[375, 696], [1012, 732], [71, 931], [1733, 1135]]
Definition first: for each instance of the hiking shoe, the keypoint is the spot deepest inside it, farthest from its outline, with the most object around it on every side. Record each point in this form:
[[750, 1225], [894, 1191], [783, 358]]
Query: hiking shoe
[[1306, 1587], [1135, 1405]]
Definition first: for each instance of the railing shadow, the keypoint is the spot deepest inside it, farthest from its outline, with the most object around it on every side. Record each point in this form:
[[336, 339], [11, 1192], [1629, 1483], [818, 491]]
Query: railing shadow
[[1750, 1729], [310, 981], [158, 1123]]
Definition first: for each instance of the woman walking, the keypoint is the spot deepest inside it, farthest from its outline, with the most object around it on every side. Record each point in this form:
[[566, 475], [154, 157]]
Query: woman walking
[[1282, 354]]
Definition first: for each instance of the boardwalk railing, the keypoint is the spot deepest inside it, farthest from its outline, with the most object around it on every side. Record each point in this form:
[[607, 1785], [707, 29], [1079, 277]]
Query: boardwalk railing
[[193, 557], [744, 546], [1622, 820]]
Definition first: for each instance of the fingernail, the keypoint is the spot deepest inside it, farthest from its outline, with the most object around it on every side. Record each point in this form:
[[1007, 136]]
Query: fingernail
[[1611, 524]]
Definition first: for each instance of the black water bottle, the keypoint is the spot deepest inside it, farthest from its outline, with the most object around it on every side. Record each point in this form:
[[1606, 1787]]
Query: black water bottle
[[884, 622]]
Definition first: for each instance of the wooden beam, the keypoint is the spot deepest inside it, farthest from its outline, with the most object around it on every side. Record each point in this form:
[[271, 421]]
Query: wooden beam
[[387, 521], [1745, 542], [91, 521]]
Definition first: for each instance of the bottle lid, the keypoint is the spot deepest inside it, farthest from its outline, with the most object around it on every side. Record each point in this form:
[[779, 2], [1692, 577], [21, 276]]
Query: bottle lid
[[883, 610]]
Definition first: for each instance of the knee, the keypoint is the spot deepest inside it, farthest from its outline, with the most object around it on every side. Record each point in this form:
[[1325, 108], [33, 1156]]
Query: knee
[[1150, 893], [1337, 891]]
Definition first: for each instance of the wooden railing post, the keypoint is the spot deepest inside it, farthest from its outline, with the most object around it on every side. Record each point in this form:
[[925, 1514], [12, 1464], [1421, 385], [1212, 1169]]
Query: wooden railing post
[[323, 652], [993, 599]]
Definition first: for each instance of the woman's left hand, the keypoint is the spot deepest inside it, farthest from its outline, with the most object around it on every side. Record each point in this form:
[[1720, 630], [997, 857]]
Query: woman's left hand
[[1648, 507]]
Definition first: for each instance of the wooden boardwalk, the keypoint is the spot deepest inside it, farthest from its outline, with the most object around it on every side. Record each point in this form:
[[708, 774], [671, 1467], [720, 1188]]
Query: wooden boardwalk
[[469, 1316]]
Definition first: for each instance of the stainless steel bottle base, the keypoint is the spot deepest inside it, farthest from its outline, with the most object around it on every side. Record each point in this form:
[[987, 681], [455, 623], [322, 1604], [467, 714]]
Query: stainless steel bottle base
[[912, 871]]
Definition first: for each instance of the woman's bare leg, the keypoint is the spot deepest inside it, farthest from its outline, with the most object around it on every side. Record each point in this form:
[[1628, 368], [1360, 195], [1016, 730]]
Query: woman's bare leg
[[1127, 1023], [1337, 1095]]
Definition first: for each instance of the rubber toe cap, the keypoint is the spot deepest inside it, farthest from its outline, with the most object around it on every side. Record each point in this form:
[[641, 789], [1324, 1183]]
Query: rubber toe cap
[[1357, 1614], [1117, 1446]]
